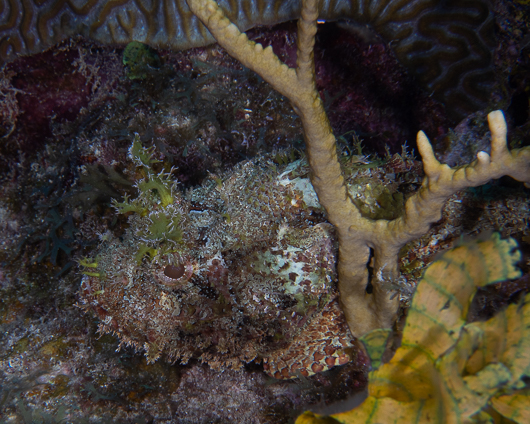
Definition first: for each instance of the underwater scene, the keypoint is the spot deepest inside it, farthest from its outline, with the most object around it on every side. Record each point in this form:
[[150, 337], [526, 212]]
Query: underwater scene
[[265, 211]]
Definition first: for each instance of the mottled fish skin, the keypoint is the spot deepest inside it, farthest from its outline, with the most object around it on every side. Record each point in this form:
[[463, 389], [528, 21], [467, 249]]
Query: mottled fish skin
[[447, 44]]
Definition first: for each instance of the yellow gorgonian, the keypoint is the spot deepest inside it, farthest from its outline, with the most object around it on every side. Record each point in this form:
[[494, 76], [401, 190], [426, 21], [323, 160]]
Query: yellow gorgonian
[[447, 371]]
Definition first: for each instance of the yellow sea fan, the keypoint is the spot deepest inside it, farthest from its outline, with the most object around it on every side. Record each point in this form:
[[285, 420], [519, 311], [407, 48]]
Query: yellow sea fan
[[447, 371]]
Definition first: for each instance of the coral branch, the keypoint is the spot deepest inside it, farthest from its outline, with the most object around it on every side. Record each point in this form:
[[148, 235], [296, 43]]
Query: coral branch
[[357, 235], [441, 181]]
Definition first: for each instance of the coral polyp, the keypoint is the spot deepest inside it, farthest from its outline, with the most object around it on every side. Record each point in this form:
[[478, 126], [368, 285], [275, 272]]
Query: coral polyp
[[241, 268]]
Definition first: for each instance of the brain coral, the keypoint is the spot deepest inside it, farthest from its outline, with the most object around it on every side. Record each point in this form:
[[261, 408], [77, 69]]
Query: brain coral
[[239, 268], [447, 44]]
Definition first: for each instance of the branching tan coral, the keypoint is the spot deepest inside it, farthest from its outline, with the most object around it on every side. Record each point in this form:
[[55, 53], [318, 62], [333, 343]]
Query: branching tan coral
[[357, 235]]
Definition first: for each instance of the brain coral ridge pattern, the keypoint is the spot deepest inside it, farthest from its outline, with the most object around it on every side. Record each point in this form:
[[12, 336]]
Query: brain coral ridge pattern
[[228, 272], [447, 44]]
